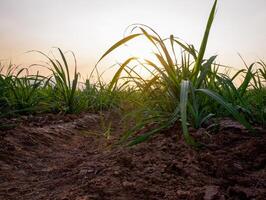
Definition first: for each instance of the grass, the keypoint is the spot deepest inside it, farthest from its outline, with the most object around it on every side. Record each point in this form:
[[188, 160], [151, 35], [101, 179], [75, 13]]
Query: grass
[[20, 90], [59, 92], [189, 91], [183, 88], [65, 90]]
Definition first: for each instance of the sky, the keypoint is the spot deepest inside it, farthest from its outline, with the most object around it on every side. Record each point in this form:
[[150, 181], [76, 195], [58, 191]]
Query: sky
[[90, 27]]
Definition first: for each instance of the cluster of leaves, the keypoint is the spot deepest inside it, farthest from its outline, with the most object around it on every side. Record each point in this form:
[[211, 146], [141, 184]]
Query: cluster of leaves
[[191, 90], [26, 93], [20, 91]]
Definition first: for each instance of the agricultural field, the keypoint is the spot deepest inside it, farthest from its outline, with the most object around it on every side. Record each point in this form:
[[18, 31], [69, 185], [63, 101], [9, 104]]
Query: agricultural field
[[191, 128]]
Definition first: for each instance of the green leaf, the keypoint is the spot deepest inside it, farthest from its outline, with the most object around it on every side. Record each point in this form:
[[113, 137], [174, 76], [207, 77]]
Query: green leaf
[[185, 85], [204, 41], [119, 43], [227, 106], [119, 71]]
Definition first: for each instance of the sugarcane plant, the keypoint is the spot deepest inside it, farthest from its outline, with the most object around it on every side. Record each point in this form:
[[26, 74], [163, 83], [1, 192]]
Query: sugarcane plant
[[178, 91]]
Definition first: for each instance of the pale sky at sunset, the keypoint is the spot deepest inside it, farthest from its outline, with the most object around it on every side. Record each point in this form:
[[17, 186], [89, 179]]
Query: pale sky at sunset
[[89, 27]]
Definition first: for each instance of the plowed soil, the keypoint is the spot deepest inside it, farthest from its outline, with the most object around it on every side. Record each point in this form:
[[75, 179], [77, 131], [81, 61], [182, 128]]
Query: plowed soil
[[68, 157]]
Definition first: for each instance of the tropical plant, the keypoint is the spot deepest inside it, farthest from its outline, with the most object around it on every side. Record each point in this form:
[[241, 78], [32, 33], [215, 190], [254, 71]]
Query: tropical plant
[[64, 88], [178, 91], [20, 90]]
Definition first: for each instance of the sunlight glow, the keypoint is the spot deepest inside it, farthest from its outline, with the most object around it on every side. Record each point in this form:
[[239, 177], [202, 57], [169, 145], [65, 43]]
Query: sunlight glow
[[89, 28]]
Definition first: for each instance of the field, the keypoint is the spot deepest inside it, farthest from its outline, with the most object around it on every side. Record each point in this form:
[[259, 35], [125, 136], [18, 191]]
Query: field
[[190, 128]]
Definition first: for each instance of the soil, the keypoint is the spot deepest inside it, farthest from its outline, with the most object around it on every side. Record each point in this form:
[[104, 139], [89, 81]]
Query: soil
[[69, 157]]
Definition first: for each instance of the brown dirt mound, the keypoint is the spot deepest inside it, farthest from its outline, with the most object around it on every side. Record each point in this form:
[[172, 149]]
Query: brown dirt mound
[[67, 157]]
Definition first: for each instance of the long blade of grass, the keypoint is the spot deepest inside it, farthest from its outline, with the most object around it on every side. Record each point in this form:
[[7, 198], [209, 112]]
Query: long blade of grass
[[119, 71], [185, 85], [243, 87], [119, 43], [204, 40], [227, 106]]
